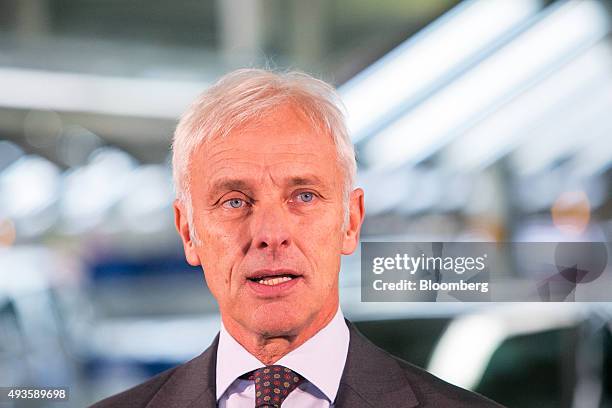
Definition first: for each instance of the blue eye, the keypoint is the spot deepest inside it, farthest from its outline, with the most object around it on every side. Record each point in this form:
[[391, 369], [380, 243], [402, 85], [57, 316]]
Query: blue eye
[[306, 197], [234, 203]]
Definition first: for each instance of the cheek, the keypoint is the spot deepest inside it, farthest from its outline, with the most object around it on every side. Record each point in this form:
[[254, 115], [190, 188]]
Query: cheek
[[326, 227], [220, 238], [219, 253], [321, 239]]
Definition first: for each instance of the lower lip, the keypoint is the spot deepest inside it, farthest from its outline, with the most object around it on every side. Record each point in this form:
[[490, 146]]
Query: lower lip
[[273, 290]]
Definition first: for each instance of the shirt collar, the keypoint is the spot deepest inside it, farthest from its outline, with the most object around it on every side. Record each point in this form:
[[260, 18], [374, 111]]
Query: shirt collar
[[320, 359], [232, 361]]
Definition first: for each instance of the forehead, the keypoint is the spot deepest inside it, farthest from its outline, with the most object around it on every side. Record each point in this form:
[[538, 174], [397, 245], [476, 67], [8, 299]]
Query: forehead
[[283, 141]]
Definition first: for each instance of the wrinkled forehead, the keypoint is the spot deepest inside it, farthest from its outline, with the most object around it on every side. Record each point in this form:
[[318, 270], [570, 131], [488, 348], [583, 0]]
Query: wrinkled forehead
[[282, 142]]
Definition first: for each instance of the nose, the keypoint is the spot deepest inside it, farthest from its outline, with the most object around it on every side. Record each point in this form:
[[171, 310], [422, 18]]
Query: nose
[[270, 229]]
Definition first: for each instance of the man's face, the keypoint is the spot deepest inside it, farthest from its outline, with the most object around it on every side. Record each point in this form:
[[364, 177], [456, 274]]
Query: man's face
[[269, 211]]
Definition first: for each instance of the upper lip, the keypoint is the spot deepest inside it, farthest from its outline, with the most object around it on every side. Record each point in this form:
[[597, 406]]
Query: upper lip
[[263, 273]]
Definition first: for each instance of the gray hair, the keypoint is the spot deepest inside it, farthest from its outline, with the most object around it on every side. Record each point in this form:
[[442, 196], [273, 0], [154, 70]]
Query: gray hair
[[244, 95]]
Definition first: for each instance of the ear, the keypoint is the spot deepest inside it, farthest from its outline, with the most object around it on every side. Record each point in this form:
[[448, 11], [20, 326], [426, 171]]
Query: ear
[[182, 226], [356, 215]]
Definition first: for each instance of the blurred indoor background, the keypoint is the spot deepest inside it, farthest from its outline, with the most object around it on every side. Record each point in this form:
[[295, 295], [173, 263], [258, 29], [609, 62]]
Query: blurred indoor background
[[485, 120]]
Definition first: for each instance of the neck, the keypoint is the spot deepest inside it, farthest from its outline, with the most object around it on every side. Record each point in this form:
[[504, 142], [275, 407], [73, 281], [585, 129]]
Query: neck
[[268, 347]]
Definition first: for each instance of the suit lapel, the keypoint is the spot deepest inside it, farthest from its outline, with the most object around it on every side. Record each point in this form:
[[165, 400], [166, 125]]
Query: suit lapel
[[372, 378], [192, 384]]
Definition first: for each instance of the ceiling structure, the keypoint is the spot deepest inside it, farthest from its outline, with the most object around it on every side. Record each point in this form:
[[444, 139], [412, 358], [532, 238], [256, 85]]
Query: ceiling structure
[[454, 108]]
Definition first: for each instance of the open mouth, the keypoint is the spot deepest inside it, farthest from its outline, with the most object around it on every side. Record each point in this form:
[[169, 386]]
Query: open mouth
[[273, 280]]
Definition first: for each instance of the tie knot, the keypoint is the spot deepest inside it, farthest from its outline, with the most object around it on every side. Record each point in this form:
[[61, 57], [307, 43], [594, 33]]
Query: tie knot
[[273, 384]]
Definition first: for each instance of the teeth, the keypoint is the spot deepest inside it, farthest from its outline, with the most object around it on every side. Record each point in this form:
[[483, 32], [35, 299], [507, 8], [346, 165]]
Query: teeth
[[274, 281]]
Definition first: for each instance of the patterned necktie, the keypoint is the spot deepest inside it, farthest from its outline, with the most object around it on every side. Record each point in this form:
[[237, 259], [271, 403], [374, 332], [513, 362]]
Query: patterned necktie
[[273, 384]]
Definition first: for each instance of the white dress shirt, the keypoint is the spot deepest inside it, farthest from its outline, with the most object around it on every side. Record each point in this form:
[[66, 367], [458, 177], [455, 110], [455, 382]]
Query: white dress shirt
[[320, 360]]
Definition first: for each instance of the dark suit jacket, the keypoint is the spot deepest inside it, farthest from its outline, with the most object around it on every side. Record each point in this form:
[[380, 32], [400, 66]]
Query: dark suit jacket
[[371, 378]]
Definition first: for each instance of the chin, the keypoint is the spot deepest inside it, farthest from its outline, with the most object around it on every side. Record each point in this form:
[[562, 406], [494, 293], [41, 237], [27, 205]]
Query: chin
[[278, 321]]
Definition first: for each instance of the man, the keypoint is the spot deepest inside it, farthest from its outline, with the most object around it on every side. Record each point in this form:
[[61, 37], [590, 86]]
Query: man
[[264, 171]]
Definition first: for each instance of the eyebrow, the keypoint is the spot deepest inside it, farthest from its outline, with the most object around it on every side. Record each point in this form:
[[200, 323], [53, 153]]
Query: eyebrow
[[230, 184], [304, 181], [227, 184]]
